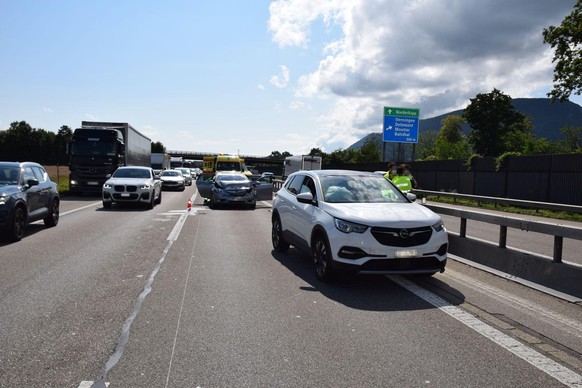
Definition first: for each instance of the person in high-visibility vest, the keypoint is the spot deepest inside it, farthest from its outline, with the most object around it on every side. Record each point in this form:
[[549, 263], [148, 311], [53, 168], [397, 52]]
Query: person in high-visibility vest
[[391, 173], [408, 174], [402, 181]]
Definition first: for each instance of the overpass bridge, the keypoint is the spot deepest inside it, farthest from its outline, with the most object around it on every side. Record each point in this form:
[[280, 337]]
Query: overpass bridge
[[254, 163]]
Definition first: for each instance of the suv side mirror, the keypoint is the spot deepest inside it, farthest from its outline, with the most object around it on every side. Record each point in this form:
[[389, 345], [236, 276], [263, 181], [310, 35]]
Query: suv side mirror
[[306, 198], [32, 182]]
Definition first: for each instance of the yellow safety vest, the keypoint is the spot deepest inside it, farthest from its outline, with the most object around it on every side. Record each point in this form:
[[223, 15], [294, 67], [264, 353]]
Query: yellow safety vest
[[403, 183]]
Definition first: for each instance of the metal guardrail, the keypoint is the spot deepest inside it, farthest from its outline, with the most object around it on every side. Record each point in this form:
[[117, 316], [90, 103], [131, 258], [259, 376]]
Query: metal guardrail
[[504, 201], [558, 231]]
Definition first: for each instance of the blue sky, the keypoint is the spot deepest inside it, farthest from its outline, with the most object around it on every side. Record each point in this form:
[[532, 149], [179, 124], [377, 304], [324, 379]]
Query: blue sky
[[252, 77]]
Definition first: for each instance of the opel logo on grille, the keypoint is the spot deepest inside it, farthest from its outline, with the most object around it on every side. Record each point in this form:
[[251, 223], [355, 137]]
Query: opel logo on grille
[[404, 233]]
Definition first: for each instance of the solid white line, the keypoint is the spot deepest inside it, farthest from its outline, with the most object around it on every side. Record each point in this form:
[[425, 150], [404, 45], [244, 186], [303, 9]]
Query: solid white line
[[543, 363], [72, 211], [80, 208], [177, 228]]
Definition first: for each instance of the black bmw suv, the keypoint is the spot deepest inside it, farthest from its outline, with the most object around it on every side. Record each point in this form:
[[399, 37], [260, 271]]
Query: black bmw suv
[[27, 194]]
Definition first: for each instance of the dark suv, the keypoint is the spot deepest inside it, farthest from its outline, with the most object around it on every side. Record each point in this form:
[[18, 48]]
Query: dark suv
[[27, 194]]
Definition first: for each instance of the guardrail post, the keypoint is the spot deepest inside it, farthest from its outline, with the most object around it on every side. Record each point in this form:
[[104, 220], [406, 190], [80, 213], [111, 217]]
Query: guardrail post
[[463, 231], [558, 244], [502, 236]]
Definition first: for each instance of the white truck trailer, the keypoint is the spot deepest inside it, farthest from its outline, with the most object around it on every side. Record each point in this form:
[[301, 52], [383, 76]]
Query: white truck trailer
[[301, 162]]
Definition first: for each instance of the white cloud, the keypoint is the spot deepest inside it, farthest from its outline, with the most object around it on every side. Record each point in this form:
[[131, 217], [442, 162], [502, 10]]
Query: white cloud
[[430, 54], [282, 79], [299, 105], [47, 110], [261, 87]]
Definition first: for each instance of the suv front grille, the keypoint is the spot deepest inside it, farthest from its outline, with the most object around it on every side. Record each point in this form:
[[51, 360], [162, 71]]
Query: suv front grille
[[402, 237], [122, 188]]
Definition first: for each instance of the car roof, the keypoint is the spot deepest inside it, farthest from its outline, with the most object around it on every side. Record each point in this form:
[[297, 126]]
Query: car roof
[[336, 172], [19, 164], [134, 167]]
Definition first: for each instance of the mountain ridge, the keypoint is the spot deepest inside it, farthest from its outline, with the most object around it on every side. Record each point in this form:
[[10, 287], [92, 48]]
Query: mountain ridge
[[547, 119]]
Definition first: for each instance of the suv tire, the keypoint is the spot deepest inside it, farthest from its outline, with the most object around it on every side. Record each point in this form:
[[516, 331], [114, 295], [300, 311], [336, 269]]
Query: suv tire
[[18, 224], [322, 258], [53, 218], [279, 243]]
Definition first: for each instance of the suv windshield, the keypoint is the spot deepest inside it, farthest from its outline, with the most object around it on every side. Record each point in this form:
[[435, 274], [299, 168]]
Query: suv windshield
[[359, 188], [131, 173], [9, 175]]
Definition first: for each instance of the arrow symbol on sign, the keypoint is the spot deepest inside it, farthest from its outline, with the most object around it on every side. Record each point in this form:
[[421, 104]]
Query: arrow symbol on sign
[[389, 128], [389, 111]]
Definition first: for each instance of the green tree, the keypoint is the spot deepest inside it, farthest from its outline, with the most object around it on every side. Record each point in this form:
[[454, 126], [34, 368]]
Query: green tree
[[64, 136], [339, 156], [425, 149], [368, 153], [276, 155], [493, 120], [572, 141], [450, 142], [316, 152], [566, 39], [158, 147], [18, 141]]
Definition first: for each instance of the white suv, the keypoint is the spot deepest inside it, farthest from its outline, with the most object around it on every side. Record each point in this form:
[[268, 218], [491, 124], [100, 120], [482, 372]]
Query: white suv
[[358, 222], [132, 184]]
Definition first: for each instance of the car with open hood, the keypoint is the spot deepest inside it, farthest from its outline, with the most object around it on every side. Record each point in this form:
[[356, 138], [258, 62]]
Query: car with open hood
[[233, 188]]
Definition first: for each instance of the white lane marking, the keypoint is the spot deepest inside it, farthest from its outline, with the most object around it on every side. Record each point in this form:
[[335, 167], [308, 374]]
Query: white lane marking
[[550, 317], [72, 211], [177, 228], [124, 337], [80, 208], [182, 304], [88, 384], [543, 363]]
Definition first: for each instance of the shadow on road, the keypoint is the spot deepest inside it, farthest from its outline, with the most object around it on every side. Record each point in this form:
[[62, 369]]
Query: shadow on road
[[366, 292]]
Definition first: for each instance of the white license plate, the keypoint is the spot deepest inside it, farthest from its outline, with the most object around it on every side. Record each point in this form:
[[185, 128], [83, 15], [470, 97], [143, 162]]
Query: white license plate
[[92, 183], [125, 194]]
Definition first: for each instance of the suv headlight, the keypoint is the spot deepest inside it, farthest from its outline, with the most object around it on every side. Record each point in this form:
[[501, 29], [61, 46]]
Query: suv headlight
[[2, 200], [107, 185], [349, 227], [145, 186], [439, 226]]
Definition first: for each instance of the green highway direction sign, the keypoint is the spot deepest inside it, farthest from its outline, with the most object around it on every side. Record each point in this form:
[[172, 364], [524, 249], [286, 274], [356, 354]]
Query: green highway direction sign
[[401, 125]]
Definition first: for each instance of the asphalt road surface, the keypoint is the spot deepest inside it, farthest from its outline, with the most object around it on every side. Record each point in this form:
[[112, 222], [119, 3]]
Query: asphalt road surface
[[130, 297]]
